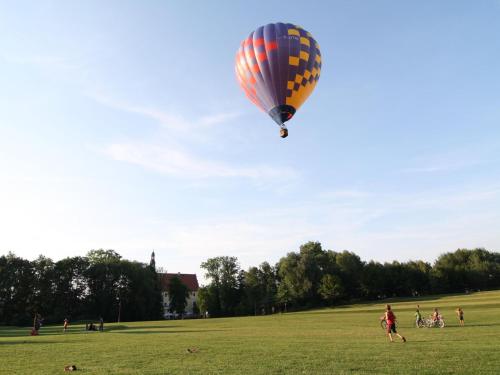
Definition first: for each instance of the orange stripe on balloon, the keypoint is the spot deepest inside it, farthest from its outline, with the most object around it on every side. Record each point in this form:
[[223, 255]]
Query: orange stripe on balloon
[[271, 46], [258, 42]]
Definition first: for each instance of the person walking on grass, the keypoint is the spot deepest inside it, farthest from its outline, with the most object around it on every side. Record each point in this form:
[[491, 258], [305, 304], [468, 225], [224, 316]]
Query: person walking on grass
[[390, 318], [460, 315]]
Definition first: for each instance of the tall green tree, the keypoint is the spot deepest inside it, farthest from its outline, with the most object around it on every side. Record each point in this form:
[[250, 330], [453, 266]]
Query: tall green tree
[[223, 274], [178, 294], [331, 288], [17, 300], [43, 285], [71, 290]]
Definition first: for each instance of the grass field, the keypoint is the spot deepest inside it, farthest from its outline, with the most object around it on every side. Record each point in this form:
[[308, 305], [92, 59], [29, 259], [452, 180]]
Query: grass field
[[342, 340]]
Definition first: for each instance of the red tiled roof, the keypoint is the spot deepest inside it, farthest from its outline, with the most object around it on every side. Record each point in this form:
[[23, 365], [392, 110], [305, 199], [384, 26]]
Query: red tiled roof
[[188, 279]]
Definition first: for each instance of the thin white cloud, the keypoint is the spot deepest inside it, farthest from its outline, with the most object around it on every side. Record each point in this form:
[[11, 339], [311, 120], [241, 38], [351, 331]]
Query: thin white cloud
[[43, 61], [442, 167], [218, 118], [484, 152], [367, 227], [347, 193], [381, 226], [167, 119], [175, 162], [169, 158]]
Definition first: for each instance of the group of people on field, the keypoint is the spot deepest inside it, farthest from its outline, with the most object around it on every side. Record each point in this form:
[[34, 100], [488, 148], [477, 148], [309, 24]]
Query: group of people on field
[[38, 321], [436, 316], [93, 327], [390, 319]]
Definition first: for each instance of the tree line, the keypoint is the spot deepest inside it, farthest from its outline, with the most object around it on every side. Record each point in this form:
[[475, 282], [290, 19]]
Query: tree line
[[100, 284], [313, 277]]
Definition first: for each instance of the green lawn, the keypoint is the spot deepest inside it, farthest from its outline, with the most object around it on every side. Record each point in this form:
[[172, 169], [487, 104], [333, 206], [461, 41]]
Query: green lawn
[[343, 340]]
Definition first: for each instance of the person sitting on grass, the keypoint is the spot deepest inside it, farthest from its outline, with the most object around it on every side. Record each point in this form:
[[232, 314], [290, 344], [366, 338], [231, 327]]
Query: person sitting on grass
[[435, 315], [460, 315], [390, 318]]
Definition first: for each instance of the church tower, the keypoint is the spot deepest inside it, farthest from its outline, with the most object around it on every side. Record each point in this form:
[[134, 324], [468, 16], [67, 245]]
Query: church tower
[[152, 262]]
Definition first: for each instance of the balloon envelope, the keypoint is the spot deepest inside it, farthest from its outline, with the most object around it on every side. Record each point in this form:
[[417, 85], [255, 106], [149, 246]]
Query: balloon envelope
[[277, 67]]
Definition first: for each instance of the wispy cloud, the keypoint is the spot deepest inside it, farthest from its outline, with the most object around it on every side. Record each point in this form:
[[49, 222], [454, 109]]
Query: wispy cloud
[[43, 61], [365, 226], [179, 163], [442, 167], [462, 158], [178, 159], [167, 119], [346, 193], [218, 118]]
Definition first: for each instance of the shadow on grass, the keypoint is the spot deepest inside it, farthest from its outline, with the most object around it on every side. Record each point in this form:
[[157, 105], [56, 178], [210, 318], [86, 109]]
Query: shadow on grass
[[57, 330], [435, 341], [370, 308], [141, 332], [42, 332], [478, 325], [15, 332], [142, 326], [7, 343]]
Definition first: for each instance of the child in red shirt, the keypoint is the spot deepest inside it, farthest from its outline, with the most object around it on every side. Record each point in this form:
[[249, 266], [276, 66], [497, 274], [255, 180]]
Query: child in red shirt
[[390, 319]]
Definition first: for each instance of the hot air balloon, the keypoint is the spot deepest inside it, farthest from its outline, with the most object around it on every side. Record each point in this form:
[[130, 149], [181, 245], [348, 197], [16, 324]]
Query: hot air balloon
[[278, 66]]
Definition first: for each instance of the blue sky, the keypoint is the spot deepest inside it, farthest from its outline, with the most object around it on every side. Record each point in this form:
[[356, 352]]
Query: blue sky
[[122, 126]]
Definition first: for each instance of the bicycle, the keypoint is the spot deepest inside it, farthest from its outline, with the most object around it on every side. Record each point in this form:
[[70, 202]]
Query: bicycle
[[430, 323], [383, 323]]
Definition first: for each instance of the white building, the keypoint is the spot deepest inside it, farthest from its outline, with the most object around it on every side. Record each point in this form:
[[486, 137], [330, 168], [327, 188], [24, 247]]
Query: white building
[[190, 280]]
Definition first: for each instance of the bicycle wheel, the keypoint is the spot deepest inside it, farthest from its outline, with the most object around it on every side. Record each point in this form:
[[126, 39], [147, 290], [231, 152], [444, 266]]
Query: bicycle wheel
[[383, 324], [441, 323]]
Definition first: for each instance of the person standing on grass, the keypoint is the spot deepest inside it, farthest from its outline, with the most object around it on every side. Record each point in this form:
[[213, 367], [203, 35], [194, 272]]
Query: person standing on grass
[[66, 322], [460, 315], [101, 324], [36, 324], [418, 318], [390, 318]]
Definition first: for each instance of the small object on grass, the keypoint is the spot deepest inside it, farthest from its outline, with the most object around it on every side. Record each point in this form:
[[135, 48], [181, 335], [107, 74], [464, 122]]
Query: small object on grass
[[192, 350], [70, 368]]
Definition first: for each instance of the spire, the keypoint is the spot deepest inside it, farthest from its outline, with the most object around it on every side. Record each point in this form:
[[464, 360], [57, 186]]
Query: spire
[[152, 262]]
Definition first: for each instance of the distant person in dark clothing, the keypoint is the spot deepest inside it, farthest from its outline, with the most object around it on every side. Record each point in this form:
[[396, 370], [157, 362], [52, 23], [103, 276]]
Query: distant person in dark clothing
[[36, 325], [460, 316], [101, 324]]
